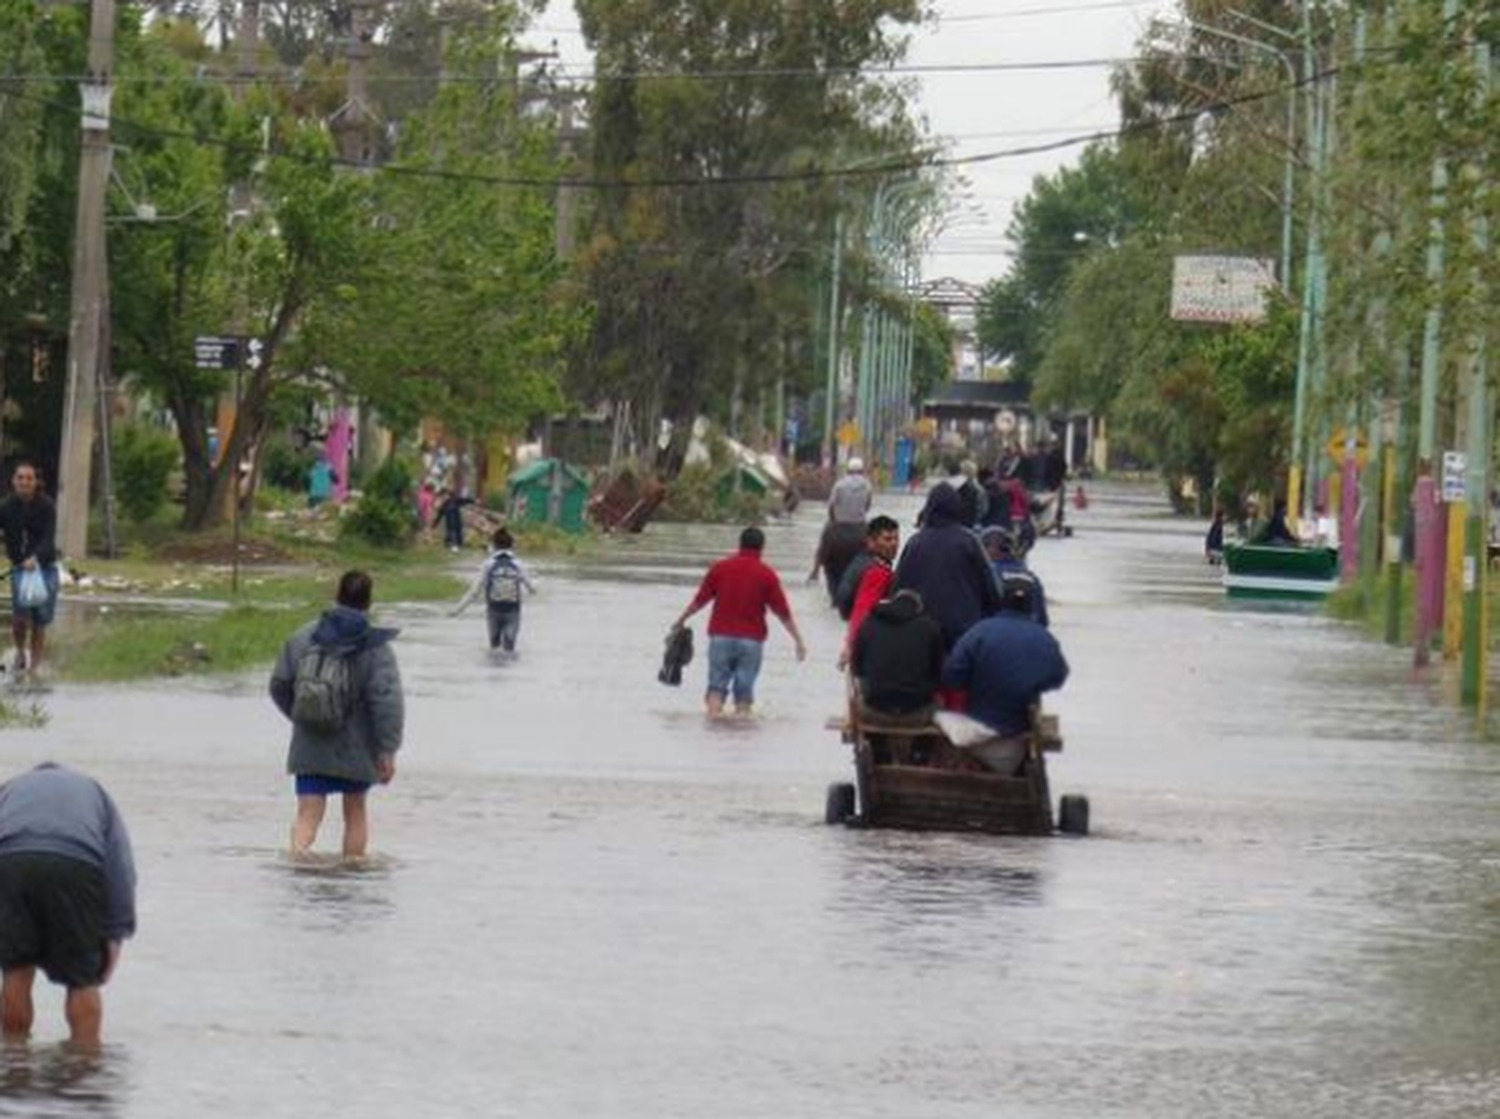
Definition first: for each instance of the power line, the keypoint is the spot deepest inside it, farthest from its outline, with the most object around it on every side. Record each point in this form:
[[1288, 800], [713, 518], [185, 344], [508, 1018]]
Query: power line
[[298, 78], [897, 165], [1055, 10]]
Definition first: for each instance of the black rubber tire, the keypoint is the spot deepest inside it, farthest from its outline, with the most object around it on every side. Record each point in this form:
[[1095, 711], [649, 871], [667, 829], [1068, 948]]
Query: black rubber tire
[[838, 807], [1073, 815]]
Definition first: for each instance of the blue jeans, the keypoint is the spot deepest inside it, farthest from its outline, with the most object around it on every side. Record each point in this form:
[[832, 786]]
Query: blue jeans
[[505, 625], [39, 616], [733, 665]]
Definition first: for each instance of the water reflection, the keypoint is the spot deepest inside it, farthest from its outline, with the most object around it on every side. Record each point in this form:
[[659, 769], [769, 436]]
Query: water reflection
[[334, 894], [43, 1081]]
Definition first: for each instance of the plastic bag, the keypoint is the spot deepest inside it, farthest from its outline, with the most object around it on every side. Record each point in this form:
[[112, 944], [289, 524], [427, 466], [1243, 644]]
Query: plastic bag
[[31, 592]]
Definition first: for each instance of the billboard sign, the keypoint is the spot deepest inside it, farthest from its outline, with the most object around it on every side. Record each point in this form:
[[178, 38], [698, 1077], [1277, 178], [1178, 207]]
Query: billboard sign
[[1221, 289]]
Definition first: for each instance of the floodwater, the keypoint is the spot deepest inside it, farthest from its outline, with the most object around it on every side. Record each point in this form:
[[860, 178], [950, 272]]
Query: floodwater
[[588, 902]]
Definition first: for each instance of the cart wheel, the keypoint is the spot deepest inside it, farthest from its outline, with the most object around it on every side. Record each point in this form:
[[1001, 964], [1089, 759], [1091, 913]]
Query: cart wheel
[[1073, 815], [838, 808]]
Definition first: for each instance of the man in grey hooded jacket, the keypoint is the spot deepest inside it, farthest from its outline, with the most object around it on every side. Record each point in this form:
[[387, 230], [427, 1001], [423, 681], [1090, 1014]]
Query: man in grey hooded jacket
[[361, 750]]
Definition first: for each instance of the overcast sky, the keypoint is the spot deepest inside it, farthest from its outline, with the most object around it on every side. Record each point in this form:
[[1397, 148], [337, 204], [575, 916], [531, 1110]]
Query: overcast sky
[[986, 112]]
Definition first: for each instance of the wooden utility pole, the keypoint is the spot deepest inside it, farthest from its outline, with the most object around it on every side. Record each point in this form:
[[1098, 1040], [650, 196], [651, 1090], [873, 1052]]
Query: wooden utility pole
[[87, 327], [352, 123]]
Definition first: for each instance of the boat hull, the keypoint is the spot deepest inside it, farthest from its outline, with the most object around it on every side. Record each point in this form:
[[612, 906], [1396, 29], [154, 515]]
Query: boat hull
[[1257, 571]]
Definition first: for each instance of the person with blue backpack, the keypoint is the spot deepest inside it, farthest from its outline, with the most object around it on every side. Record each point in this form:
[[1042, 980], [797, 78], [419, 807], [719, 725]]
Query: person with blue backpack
[[501, 580]]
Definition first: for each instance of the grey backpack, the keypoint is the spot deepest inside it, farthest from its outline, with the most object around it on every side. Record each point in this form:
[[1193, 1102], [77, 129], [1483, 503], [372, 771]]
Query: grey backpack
[[322, 690], [503, 587]]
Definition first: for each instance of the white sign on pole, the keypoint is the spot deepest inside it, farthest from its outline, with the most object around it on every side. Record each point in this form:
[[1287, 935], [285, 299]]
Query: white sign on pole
[[1455, 476], [1221, 289]]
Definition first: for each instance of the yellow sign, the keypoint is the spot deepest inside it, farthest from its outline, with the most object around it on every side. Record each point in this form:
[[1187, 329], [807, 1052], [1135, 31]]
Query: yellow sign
[[1340, 439], [848, 433]]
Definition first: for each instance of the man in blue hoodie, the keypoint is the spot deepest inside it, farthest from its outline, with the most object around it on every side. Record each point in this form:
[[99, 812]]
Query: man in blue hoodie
[[338, 682], [67, 896], [1005, 663]]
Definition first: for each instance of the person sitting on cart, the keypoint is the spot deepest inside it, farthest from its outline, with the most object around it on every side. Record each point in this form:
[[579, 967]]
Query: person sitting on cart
[[1009, 567], [944, 564], [897, 658], [1277, 533], [997, 511], [1004, 665]]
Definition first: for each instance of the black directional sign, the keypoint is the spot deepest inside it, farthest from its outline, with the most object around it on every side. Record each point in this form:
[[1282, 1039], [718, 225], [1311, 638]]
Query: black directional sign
[[214, 351]]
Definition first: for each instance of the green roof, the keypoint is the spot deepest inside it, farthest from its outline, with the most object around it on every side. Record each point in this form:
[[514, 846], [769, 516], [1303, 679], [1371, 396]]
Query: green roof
[[541, 470]]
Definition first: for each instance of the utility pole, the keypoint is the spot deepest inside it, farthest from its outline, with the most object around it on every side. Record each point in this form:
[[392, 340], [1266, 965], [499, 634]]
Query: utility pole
[[352, 121], [830, 404], [568, 133], [87, 327], [1426, 500], [1476, 484]]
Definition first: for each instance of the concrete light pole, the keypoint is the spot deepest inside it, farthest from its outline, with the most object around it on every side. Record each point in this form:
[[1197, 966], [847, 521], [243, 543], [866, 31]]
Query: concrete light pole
[[88, 327]]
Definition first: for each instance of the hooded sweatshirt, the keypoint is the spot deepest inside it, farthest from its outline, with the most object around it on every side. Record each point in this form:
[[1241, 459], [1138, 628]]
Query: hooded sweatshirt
[[1005, 663], [898, 656], [374, 726], [945, 564]]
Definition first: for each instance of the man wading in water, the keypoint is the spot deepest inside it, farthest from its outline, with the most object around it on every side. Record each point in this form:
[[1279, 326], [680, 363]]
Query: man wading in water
[[742, 588], [338, 683]]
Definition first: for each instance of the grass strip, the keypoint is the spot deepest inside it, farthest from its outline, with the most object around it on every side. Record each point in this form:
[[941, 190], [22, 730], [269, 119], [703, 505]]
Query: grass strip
[[121, 647]]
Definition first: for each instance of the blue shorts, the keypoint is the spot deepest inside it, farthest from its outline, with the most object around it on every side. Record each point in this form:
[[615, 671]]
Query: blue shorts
[[39, 616], [316, 785], [733, 665]]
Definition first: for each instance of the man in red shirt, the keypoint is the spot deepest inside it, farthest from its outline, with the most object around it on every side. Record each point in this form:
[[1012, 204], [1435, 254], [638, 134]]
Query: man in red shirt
[[742, 588], [882, 544]]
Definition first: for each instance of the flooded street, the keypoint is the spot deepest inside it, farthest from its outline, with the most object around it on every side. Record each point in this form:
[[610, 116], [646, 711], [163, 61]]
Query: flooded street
[[589, 902]]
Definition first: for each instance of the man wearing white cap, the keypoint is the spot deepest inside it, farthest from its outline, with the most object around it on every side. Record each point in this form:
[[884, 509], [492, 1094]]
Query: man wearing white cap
[[849, 503], [844, 534]]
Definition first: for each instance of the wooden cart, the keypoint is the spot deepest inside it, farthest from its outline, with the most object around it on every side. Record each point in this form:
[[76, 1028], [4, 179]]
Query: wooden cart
[[912, 777]]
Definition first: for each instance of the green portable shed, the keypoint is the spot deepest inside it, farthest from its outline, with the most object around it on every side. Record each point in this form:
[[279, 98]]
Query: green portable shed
[[744, 478], [548, 492]]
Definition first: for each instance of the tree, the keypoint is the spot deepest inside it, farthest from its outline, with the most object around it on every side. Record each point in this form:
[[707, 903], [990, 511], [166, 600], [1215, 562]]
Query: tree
[[699, 262], [1065, 216], [456, 310]]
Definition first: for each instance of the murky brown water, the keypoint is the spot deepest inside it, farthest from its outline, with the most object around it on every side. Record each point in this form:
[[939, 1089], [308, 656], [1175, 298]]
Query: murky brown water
[[588, 902]]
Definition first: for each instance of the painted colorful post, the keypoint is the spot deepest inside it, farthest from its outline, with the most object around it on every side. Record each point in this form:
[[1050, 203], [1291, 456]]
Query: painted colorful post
[[338, 446], [1394, 521], [1477, 484], [1453, 579], [1427, 510], [1349, 510]]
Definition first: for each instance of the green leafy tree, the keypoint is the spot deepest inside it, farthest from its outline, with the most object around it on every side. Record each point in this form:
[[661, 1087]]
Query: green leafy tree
[[697, 266]]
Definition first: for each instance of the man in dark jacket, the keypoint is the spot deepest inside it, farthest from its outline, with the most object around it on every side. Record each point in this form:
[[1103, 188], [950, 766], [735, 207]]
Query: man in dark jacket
[[341, 658], [944, 564], [1000, 546], [898, 657], [67, 896], [1004, 664], [28, 520]]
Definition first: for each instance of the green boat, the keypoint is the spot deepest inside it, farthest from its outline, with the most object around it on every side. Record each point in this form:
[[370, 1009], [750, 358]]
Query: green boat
[[1263, 571]]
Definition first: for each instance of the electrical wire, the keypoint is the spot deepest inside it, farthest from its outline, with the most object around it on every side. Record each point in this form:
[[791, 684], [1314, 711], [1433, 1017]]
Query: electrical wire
[[299, 78], [900, 165]]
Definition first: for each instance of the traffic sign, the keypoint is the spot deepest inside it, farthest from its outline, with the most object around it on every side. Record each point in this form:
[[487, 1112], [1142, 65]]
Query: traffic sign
[[228, 351], [216, 351], [1338, 443], [848, 433], [1455, 476]]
